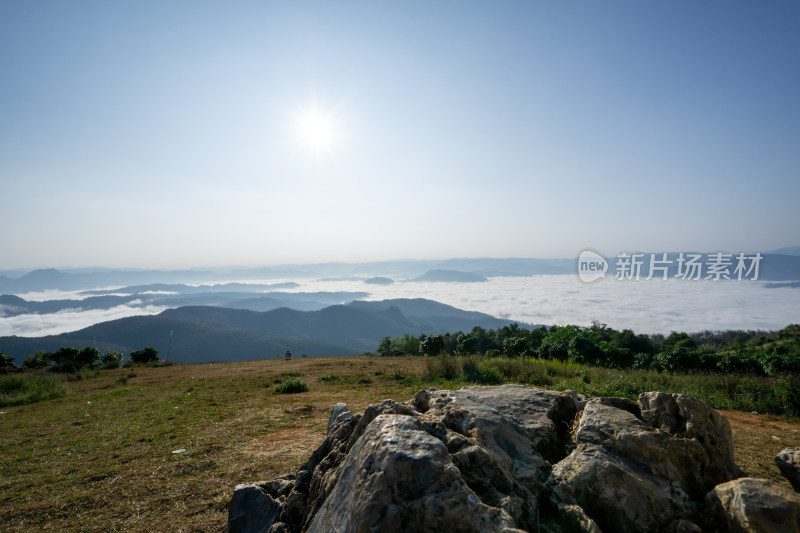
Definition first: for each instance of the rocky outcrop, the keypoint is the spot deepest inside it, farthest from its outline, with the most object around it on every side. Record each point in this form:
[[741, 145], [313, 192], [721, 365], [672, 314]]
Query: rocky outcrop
[[749, 504], [788, 462], [513, 458]]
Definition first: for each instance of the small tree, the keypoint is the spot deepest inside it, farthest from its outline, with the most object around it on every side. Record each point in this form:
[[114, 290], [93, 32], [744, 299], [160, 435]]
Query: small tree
[[38, 360], [515, 347], [88, 357], [66, 358], [433, 345], [467, 344], [111, 359], [148, 355], [6, 364], [409, 344], [71, 359]]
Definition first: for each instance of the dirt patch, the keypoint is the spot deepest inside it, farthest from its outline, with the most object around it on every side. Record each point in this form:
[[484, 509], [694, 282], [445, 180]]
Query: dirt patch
[[303, 410], [285, 443], [758, 439]]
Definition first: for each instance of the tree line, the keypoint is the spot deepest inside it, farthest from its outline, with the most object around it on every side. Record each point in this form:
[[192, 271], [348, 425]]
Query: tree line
[[71, 359], [759, 352]]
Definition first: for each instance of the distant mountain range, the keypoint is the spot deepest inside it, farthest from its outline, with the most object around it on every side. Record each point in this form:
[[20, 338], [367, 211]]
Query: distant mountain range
[[788, 250], [234, 295], [198, 334], [442, 275], [16, 282], [779, 265]]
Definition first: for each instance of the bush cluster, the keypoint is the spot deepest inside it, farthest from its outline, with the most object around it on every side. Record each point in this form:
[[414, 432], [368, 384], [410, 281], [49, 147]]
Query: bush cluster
[[291, 386], [754, 352], [71, 360]]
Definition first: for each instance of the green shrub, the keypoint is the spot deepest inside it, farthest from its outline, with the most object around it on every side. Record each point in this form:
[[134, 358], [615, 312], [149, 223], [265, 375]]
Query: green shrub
[[38, 360], [6, 363], [442, 367], [291, 386], [481, 373], [110, 359], [21, 390], [147, 355], [71, 359]]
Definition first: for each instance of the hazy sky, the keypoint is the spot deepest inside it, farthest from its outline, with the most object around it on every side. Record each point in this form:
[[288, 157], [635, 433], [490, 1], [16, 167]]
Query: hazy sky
[[182, 134]]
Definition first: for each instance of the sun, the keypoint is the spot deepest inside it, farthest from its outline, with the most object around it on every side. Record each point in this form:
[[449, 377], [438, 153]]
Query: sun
[[317, 130]]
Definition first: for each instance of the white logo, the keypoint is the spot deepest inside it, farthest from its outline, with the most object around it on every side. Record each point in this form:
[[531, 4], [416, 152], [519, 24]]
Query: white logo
[[591, 266]]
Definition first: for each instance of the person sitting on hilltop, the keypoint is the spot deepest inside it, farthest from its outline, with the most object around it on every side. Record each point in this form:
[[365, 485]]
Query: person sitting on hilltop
[[288, 355]]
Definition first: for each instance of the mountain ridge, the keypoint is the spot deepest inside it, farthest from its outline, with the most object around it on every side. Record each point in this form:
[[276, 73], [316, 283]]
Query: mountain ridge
[[196, 334]]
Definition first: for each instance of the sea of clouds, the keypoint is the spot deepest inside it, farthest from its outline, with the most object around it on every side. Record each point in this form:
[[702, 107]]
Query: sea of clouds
[[645, 306]]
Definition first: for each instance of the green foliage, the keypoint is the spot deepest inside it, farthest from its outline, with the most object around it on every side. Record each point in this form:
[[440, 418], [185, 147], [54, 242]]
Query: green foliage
[[432, 345], [148, 355], [71, 359], [443, 367], [792, 331], [291, 386], [6, 363], [38, 360], [111, 359], [515, 347], [755, 352], [22, 390], [479, 372], [466, 344], [405, 345], [556, 344]]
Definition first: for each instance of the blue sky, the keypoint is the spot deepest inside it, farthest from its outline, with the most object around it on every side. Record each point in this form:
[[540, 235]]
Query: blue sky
[[170, 134]]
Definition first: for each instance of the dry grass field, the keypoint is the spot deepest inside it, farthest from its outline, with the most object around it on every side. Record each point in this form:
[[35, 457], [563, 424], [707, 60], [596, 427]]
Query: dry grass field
[[160, 449]]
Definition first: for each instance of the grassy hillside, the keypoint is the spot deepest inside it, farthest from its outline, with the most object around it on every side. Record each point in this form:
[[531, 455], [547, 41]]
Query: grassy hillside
[[102, 457]]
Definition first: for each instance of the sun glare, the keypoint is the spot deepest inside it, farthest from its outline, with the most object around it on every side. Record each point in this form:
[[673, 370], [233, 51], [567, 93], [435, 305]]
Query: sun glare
[[317, 130]]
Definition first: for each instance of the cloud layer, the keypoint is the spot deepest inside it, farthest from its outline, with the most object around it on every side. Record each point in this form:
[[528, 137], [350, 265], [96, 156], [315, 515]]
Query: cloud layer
[[654, 306], [33, 325]]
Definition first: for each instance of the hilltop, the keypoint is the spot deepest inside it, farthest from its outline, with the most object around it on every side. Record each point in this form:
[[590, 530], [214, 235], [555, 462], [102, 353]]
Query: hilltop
[[103, 456]]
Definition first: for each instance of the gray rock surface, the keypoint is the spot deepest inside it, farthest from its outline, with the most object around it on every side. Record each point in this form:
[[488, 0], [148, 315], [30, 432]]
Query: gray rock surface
[[748, 504], [512, 458], [788, 462], [689, 418]]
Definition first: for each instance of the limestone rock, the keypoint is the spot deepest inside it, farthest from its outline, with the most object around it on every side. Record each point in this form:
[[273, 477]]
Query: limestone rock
[[398, 477], [515, 458], [339, 413], [546, 416], [254, 506], [748, 504], [689, 418], [683, 461], [788, 462], [619, 493]]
